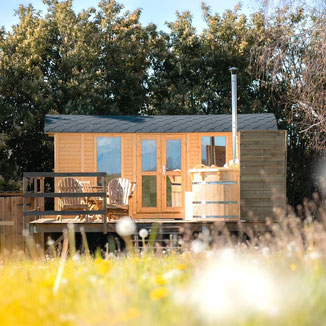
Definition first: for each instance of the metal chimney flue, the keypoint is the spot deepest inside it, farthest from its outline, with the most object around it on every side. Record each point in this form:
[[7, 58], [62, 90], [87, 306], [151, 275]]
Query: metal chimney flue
[[234, 71]]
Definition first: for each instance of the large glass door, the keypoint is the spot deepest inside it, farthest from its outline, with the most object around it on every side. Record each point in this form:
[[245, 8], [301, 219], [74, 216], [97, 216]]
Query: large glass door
[[172, 173], [148, 174], [160, 174]]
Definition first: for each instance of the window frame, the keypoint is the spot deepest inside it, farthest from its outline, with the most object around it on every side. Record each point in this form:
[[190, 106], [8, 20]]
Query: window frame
[[213, 135], [121, 153]]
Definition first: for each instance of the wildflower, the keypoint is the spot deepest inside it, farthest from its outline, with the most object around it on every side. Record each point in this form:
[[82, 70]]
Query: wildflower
[[173, 273], [93, 279], [50, 242], [231, 286], [102, 266], [291, 248], [160, 280], [159, 293], [49, 282], [315, 255], [197, 246], [76, 257], [126, 227], [293, 267], [181, 267], [266, 251], [143, 233]]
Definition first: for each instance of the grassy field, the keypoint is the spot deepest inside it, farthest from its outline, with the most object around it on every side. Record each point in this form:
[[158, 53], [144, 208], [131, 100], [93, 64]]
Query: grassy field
[[277, 280]]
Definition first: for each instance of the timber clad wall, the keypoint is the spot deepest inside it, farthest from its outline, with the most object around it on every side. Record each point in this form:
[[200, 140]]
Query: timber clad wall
[[262, 164], [11, 209], [89, 154], [263, 157], [127, 159], [77, 153], [11, 214], [193, 155]]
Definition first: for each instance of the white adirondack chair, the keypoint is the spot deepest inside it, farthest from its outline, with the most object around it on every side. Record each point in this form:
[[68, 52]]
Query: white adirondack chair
[[71, 203], [120, 191]]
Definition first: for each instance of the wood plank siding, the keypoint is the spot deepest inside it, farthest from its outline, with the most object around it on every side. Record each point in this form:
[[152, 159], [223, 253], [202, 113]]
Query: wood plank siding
[[12, 221], [263, 156], [262, 165]]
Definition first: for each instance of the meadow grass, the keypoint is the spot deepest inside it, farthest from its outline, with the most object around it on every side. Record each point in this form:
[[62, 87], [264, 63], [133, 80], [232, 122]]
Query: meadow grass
[[271, 280]]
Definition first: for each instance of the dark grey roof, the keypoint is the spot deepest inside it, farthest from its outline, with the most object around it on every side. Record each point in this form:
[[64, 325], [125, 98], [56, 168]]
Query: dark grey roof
[[157, 123]]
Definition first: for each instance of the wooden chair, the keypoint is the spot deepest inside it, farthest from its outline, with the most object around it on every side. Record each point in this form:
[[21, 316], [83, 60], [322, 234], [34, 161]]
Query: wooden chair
[[71, 203], [93, 202], [119, 192]]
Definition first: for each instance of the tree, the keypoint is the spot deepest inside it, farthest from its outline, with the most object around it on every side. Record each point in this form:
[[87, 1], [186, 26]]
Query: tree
[[94, 62], [289, 61], [103, 61]]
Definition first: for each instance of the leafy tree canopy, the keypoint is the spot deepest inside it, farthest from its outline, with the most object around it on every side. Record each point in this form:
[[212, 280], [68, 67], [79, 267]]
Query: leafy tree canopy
[[104, 61]]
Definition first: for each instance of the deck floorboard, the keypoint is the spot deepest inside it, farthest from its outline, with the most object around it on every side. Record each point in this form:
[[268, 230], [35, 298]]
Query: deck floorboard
[[52, 225]]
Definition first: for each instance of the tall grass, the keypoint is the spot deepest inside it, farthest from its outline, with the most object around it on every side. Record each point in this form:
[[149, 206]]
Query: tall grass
[[277, 278]]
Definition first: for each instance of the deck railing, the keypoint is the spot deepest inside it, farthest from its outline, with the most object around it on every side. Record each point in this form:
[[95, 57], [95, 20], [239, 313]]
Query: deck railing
[[36, 180]]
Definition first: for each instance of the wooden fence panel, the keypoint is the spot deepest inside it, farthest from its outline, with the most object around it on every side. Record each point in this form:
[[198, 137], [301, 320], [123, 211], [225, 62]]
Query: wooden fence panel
[[12, 221], [263, 161]]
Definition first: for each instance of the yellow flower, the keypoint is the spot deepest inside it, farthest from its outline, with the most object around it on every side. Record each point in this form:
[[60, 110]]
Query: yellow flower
[[102, 267], [159, 280], [293, 267], [49, 282], [159, 293], [181, 267]]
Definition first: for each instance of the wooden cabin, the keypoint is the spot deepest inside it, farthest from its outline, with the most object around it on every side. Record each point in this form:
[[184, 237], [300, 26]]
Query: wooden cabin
[[157, 152]]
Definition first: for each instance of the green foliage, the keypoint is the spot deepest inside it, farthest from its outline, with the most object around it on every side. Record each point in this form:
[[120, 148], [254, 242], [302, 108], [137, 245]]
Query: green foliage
[[103, 61]]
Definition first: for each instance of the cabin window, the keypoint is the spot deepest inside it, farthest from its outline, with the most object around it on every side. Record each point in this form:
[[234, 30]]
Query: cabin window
[[213, 150], [109, 156], [149, 155], [173, 181], [173, 154], [149, 192], [149, 165]]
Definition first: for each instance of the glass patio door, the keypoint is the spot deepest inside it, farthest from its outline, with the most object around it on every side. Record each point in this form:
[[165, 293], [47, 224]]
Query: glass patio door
[[160, 169], [148, 174], [173, 169]]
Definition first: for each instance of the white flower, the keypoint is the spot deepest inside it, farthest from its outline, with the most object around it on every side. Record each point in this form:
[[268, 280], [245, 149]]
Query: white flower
[[50, 242], [93, 279], [173, 273], [76, 257], [315, 255], [143, 233], [230, 285], [64, 281], [126, 226], [291, 248], [197, 246], [266, 251]]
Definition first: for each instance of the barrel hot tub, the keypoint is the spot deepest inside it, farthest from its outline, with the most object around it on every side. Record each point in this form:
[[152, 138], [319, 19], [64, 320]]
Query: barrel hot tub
[[215, 193]]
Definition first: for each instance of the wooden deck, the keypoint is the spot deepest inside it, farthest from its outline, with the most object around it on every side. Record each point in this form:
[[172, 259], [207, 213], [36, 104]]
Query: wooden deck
[[50, 225]]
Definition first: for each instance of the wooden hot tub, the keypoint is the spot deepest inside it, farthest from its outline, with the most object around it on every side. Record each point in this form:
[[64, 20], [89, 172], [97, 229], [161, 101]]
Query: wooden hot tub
[[215, 193]]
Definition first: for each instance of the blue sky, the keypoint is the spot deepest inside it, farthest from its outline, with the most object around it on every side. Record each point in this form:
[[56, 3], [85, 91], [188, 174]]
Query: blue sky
[[153, 11]]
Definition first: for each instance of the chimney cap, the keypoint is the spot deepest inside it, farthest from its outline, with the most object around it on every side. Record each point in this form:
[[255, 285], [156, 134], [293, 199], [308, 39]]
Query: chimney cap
[[233, 70]]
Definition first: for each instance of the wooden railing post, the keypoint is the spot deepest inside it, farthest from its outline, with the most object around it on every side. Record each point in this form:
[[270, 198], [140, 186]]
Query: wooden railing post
[[24, 203], [39, 196], [105, 225]]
